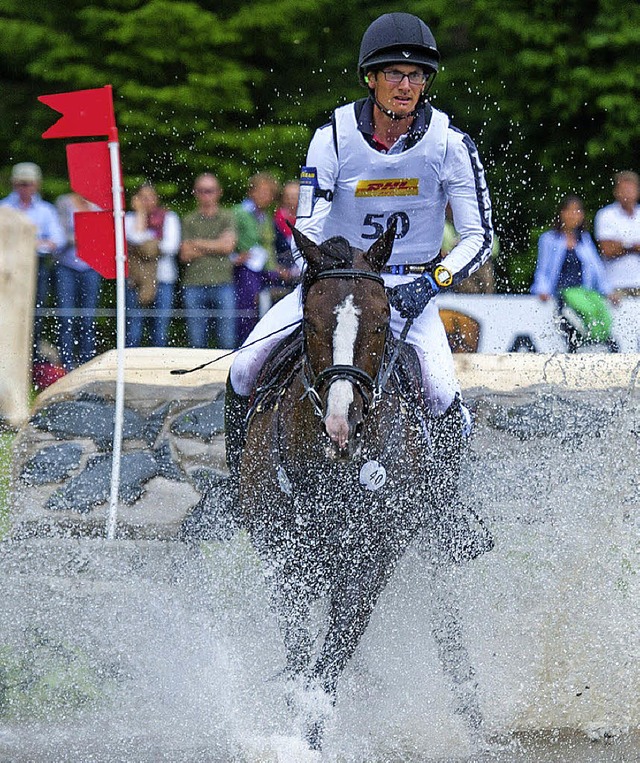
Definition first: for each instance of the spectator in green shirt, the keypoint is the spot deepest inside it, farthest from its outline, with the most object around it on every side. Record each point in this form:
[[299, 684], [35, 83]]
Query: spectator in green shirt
[[255, 255], [208, 239]]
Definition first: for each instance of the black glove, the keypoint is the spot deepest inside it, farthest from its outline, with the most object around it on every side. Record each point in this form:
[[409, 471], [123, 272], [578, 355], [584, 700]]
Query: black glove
[[410, 299]]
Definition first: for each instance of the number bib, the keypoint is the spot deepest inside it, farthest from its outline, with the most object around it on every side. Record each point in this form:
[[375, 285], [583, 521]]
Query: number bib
[[373, 188]]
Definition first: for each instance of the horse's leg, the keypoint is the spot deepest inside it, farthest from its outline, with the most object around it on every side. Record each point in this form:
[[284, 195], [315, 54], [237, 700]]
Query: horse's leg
[[292, 604], [454, 657], [354, 595], [270, 519]]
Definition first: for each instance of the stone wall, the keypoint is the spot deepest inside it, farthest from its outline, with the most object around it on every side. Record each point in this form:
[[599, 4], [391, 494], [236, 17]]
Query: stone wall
[[173, 443]]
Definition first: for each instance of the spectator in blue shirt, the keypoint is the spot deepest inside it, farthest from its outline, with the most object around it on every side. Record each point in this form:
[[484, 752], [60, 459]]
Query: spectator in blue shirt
[[569, 269], [77, 289], [26, 179]]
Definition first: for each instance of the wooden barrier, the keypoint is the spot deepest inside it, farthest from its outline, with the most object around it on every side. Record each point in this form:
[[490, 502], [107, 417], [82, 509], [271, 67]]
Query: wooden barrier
[[18, 264]]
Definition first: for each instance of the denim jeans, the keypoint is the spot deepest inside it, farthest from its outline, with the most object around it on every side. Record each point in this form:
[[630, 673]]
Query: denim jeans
[[247, 284], [158, 325], [43, 292], [215, 297], [77, 289]]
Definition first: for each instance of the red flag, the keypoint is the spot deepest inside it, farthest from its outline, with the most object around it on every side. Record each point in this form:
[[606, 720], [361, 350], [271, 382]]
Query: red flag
[[90, 172], [96, 241], [88, 113], [84, 113]]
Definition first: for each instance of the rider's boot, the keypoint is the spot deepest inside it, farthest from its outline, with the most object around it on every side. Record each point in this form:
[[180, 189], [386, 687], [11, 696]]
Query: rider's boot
[[460, 535], [236, 408], [217, 514]]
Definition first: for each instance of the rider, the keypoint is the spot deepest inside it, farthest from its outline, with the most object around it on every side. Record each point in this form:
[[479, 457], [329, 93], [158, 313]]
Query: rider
[[390, 156]]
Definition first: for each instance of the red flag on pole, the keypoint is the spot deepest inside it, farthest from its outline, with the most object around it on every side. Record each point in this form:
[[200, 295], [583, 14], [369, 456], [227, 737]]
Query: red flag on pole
[[100, 239], [90, 172], [95, 241], [84, 113], [88, 113]]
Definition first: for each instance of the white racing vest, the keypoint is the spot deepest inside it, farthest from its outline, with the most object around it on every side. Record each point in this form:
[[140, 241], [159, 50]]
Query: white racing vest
[[372, 188]]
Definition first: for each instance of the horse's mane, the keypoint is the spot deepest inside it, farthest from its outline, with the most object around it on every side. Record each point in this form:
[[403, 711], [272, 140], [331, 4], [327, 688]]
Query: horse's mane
[[337, 253]]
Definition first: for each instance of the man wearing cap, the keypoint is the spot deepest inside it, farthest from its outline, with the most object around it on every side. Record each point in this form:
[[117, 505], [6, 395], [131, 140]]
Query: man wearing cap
[[393, 157], [26, 179]]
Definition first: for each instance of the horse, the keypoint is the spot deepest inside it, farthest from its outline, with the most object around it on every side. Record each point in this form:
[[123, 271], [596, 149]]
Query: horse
[[332, 480]]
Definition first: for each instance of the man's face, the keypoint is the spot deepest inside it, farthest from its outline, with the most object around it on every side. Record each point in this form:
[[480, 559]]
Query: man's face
[[263, 195], [400, 97], [627, 192], [25, 190], [207, 191]]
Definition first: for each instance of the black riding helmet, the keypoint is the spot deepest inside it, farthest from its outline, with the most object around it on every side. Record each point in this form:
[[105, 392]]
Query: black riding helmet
[[395, 38]]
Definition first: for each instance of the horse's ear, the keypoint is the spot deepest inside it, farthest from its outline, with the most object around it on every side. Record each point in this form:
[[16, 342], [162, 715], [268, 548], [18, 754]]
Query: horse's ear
[[308, 248], [380, 251]]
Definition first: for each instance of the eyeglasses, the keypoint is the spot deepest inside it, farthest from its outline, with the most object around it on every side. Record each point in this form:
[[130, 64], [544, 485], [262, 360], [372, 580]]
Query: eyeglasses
[[205, 190], [25, 183], [396, 76]]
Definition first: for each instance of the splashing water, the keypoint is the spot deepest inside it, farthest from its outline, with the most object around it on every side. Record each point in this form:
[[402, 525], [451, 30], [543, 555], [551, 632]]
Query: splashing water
[[141, 651]]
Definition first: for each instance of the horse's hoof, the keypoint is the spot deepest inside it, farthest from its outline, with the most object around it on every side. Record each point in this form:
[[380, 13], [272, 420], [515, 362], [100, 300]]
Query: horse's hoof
[[312, 707], [313, 735]]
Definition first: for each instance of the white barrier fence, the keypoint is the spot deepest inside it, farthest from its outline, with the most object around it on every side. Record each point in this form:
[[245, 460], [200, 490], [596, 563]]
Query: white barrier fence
[[511, 323]]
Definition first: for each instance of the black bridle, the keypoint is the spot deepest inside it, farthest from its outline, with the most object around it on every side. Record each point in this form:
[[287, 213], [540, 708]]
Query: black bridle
[[367, 387]]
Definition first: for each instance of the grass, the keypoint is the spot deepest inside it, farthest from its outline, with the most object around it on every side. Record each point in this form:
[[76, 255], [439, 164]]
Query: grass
[[6, 441]]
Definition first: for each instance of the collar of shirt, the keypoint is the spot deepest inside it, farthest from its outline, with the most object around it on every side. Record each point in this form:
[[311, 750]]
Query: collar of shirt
[[250, 206], [13, 200], [419, 126]]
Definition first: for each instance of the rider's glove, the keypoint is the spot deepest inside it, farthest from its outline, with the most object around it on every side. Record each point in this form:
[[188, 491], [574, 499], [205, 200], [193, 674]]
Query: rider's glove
[[410, 299]]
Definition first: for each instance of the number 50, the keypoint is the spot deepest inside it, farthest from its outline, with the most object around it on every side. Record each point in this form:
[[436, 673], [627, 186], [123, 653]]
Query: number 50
[[373, 221]]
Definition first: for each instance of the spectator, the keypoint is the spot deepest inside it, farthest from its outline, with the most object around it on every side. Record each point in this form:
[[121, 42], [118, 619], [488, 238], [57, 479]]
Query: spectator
[[481, 281], [208, 240], [26, 178], [617, 231], [570, 269], [153, 239], [287, 272], [256, 249], [284, 217], [78, 288]]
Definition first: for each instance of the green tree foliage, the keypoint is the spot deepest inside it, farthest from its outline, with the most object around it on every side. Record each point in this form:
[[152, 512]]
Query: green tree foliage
[[547, 89]]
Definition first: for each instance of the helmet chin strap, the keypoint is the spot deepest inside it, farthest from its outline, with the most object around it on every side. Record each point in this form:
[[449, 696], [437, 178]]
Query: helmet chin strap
[[388, 112], [392, 114]]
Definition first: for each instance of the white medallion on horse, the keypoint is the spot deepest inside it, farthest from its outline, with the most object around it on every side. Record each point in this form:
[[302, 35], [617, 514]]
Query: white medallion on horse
[[373, 475]]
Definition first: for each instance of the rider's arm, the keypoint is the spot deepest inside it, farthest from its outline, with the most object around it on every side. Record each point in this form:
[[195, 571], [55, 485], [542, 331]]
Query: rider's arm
[[608, 235], [322, 156], [466, 188]]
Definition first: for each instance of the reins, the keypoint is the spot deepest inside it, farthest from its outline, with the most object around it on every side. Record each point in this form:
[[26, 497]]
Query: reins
[[180, 371]]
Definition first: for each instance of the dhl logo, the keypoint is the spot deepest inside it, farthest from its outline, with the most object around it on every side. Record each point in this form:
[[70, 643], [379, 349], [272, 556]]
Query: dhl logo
[[390, 187]]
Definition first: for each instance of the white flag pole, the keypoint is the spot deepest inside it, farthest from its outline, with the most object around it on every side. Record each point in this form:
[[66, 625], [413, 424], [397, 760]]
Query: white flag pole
[[118, 216]]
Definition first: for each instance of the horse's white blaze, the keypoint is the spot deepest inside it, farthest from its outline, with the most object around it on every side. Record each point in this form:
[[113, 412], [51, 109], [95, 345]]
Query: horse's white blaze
[[341, 392]]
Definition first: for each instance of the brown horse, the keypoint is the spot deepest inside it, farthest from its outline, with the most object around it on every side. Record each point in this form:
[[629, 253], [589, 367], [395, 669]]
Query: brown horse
[[332, 483]]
